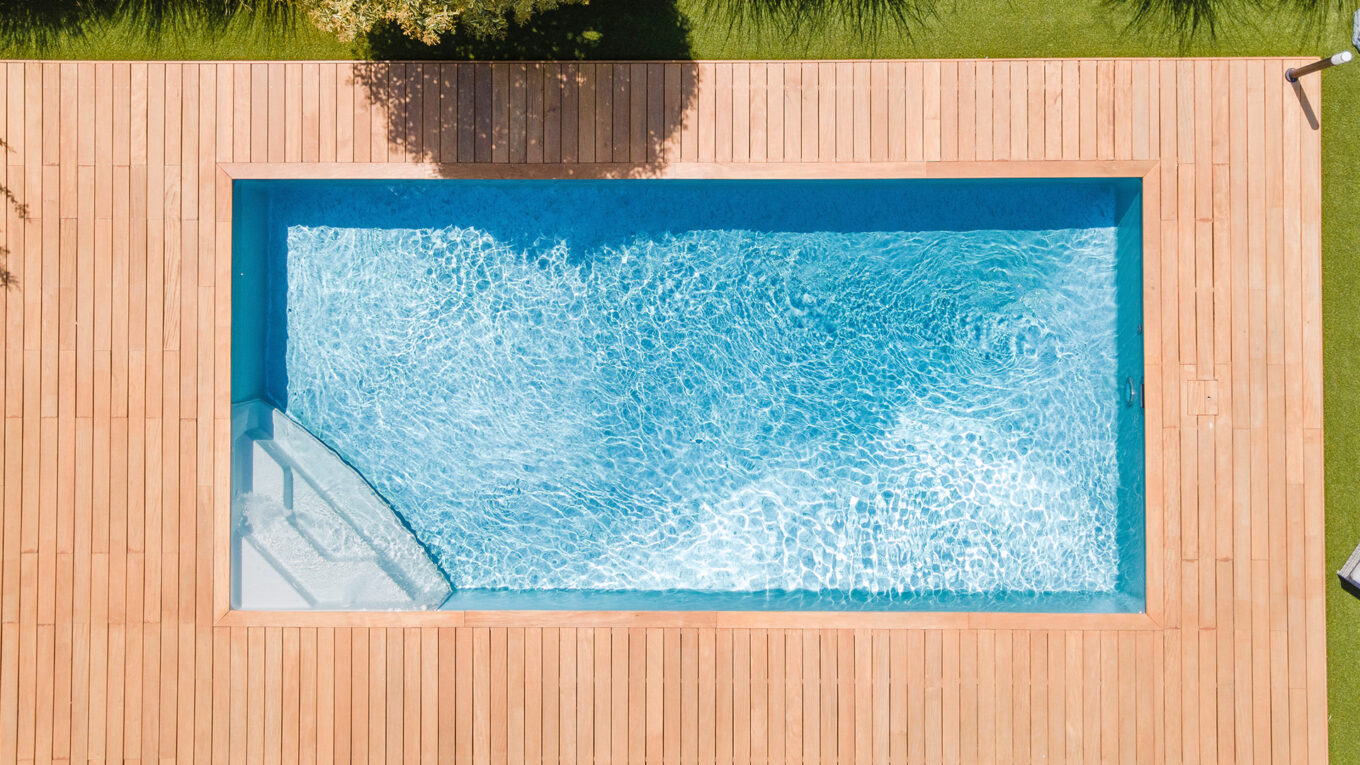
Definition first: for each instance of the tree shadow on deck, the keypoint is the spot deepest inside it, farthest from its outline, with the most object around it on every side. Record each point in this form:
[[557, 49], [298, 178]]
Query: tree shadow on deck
[[572, 108], [8, 279]]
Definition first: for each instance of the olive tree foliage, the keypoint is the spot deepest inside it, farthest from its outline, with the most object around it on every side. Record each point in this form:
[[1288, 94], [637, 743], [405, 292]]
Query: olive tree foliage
[[425, 20]]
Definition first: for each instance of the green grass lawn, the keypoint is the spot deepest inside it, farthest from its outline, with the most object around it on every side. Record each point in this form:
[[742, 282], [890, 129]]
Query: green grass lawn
[[708, 29]]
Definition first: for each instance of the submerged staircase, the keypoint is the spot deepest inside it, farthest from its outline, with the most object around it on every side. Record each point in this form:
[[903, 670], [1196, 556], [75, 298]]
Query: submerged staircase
[[310, 533]]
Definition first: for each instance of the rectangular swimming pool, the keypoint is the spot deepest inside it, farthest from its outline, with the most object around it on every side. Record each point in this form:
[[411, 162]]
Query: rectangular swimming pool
[[677, 395]]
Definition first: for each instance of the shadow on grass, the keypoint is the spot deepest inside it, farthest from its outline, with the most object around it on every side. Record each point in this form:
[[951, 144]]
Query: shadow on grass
[[1199, 20], [601, 30], [41, 25], [1307, 106], [655, 29], [869, 19], [1182, 18]]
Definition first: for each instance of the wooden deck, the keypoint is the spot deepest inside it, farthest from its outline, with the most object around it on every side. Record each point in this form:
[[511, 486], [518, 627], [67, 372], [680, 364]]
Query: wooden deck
[[114, 641]]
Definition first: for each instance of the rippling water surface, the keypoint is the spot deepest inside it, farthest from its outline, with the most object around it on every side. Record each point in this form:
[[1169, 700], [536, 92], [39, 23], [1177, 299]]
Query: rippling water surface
[[872, 388]]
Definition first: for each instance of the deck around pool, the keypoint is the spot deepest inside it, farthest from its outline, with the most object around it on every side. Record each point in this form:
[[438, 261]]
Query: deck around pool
[[114, 638]]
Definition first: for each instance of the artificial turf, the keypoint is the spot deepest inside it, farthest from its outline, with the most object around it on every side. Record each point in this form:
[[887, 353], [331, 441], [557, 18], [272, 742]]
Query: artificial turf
[[765, 29]]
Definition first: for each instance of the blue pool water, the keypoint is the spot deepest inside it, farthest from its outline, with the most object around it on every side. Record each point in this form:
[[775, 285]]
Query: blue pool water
[[720, 394]]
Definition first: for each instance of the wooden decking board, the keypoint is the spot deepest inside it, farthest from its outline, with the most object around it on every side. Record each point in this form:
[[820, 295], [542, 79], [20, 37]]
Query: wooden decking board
[[115, 460]]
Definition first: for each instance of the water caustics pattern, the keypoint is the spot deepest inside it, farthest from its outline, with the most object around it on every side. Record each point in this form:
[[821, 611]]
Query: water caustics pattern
[[724, 409]]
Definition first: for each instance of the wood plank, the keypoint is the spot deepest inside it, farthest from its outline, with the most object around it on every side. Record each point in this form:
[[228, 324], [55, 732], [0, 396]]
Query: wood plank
[[808, 109], [517, 131], [514, 694], [984, 94], [1127, 696], [897, 697], [654, 718], [479, 731], [1022, 731], [689, 696], [878, 103], [1092, 716], [344, 113], [917, 734], [834, 93], [950, 697], [828, 672], [533, 688], [1105, 110], [1007, 739], [722, 112], [553, 83], [586, 91], [778, 695], [919, 100], [967, 105], [845, 695], [584, 702], [1037, 677], [637, 113], [1053, 108], [1277, 496], [689, 112], [637, 693], [378, 696], [290, 706], [724, 714], [948, 94], [741, 111], [758, 697], [1311, 189], [812, 696], [1037, 106], [759, 131], [1001, 110], [1087, 107], [570, 116], [1056, 687], [551, 693], [1019, 116], [706, 735]]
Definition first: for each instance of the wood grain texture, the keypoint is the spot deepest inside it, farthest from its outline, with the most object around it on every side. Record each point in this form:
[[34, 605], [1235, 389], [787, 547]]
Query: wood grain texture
[[115, 639]]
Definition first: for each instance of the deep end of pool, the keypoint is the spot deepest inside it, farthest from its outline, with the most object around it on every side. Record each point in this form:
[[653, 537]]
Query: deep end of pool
[[853, 395]]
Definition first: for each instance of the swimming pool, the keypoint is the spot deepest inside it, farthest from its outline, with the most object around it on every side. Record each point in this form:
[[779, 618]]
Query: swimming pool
[[662, 394]]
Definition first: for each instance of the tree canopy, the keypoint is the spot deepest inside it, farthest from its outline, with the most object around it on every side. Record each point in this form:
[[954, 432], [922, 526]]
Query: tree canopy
[[424, 20]]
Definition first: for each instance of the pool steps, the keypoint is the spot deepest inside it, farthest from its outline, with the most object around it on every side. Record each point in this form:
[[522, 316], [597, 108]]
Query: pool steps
[[310, 533]]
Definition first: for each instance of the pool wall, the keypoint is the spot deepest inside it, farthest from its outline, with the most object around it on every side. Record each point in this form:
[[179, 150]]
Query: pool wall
[[250, 280], [1131, 533]]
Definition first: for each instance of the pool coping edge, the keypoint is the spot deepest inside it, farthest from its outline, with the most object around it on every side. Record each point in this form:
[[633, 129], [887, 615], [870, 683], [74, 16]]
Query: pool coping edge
[[1146, 170]]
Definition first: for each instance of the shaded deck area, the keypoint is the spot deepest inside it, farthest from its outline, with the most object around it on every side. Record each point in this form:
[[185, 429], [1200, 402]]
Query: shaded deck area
[[114, 640]]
